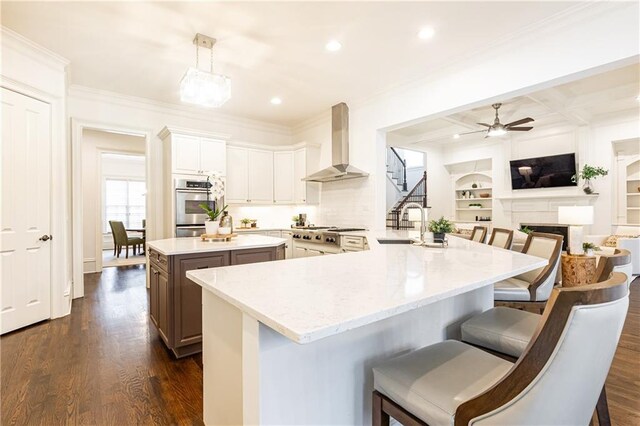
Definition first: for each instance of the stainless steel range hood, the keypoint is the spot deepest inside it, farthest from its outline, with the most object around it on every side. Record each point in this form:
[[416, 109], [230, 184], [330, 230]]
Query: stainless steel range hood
[[340, 169]]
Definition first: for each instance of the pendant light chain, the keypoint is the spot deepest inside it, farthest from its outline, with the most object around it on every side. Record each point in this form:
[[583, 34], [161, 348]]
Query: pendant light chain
[[197, 55]]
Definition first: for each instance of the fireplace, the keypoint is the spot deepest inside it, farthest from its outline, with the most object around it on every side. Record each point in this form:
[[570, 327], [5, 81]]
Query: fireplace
[[550, 228]]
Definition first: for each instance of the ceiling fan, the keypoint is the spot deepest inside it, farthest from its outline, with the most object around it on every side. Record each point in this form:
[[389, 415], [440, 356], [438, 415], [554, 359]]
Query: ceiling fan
[[499, 129]]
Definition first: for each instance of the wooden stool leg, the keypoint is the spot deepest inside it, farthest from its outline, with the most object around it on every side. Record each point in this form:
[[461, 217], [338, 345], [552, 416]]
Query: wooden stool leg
[[379, 417], [602, 408]]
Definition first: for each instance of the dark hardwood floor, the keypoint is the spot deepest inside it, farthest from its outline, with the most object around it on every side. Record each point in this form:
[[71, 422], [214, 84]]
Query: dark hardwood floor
[[102, 365], [105, 365]]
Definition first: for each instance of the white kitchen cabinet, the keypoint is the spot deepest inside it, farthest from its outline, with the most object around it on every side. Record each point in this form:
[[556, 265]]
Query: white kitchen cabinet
[[305, 192], [237, 183], [250, 176], [260, 176], [191, 153], [283, 177], [288, 247]]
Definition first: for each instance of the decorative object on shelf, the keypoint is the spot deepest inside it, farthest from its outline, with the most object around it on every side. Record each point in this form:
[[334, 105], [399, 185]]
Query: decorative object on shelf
[[201, 87], [254, 223], [226, 224], [295, 219], [245, 223], [440, 227], [575, 217], [474, 186], [589, 248], [588, 173], [485, 195], [216, 191], [475, 206]]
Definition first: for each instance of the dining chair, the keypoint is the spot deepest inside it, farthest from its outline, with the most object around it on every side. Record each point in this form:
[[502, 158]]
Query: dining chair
[[478, 234], [617, 261], [455, 383], [530, 290], [121, 239], [501, 238]]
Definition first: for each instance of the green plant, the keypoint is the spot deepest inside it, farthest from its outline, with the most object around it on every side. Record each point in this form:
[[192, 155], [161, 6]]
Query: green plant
[[213, 214], [245, 221], [589, 172], [589, 246], [295, 218], [526, 230], [475, 205], [441, 226]]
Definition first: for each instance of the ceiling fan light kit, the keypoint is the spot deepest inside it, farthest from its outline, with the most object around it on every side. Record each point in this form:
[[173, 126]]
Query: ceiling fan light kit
[[204, 88], [499, 129]]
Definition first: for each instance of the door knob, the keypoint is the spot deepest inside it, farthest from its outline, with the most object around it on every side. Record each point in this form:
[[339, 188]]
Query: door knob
[[45, 238]]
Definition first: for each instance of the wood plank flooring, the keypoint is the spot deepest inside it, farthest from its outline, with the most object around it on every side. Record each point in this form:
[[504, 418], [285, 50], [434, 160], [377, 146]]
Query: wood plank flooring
[[105, 365]]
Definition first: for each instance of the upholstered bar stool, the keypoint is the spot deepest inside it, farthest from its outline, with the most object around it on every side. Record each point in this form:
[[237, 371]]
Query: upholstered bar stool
[[501, 238], [456, 383], [532, 289], [478, 234]]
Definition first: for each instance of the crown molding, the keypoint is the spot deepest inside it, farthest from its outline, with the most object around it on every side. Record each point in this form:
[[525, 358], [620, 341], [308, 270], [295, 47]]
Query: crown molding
[[167, 130], [13, 40], [312, 122], [105, 96]]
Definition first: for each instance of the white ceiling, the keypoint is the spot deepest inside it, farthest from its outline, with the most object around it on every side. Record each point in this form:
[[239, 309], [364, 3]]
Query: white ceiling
[[267, 48], [581, 102]]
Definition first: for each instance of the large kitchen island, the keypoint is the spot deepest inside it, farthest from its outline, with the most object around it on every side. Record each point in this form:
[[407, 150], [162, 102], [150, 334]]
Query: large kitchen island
[[176, 302], [294, 342]]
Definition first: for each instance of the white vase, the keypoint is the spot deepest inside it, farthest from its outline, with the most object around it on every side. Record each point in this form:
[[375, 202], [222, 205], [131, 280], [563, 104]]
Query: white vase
[[211, 227]]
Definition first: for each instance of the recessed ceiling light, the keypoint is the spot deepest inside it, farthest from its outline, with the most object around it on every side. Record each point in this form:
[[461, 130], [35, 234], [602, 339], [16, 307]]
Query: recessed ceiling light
[[333, 46], [276, 101], [426, 33], [456, 136]]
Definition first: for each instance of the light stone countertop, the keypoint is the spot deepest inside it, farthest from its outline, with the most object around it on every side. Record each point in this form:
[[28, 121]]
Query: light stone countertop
[[307, 299], [174, 246]]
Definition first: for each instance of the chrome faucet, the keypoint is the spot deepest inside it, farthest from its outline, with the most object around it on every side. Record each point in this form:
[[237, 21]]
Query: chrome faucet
[[423, 222]]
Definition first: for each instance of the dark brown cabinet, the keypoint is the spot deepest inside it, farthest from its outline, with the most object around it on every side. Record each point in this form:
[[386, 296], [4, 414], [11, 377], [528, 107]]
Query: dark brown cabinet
[[175, 302]]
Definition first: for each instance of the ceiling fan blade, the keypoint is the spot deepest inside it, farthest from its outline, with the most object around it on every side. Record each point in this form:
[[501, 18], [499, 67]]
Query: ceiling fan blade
[[519, 129], [518, 122], [484, 124], [468, 133]]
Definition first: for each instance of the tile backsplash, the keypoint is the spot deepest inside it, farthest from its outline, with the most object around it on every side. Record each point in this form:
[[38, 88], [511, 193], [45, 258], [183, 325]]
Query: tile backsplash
[[272, 216]]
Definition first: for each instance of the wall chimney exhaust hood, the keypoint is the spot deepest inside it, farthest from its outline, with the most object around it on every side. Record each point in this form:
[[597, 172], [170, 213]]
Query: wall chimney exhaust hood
[[340, 169]]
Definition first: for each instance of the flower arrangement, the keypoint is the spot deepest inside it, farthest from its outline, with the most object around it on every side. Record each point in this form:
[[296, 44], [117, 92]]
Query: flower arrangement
[[216, 190], [587, 174]]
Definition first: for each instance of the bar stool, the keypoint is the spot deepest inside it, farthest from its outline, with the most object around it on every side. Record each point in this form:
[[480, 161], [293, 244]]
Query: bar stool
[[532, 289], [501, 238], [455, 383], [478, 234]]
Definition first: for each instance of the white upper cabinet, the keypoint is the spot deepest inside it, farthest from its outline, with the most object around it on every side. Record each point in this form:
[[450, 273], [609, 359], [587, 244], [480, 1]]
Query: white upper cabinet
[[237, 184], [260, 176], [186, 154], [303, 191], [283, 180], [213, 156], [194, 154]]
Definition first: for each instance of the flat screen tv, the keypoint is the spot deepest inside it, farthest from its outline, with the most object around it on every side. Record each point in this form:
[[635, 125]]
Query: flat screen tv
[[543, 172]]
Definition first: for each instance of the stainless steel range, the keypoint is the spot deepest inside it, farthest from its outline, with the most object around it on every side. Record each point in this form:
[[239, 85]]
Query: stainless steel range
[[318, 240]]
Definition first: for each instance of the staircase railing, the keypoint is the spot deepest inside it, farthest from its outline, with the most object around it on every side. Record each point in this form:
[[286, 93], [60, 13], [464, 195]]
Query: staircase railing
[[417, 195], [397, 166]]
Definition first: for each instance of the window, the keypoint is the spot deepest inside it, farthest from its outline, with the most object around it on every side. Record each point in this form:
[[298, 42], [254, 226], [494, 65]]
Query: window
[[124, 201]]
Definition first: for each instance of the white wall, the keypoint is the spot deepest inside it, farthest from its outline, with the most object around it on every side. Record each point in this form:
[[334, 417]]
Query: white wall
[[598, 37], [94, 143], [34, 71]]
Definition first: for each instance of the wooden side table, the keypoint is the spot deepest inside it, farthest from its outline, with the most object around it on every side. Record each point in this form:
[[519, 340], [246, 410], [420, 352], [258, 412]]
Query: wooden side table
[[578, 270]]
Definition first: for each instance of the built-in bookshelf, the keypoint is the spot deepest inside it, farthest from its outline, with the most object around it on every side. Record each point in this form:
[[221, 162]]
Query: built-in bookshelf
[[473, 197], [633, 193]]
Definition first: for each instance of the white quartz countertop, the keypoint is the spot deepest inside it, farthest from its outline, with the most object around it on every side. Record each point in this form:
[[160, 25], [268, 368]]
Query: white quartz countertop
[[173, 246], [307, 299]]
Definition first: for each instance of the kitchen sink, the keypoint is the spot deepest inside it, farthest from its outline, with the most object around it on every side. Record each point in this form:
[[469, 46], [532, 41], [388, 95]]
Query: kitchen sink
[[395, 241]]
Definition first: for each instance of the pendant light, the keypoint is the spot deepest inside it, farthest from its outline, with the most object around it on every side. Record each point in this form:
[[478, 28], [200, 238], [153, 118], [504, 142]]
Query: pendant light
[[201, 87]]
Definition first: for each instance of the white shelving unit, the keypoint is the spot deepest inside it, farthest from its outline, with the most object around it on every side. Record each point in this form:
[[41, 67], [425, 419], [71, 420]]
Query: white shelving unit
[[633, 192], [468, 188]]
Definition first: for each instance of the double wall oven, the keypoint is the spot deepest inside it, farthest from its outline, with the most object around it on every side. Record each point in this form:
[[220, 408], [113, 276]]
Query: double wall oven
[[190, 217]]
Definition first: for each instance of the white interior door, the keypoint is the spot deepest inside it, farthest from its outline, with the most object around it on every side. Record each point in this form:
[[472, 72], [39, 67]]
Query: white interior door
[[25, 248]]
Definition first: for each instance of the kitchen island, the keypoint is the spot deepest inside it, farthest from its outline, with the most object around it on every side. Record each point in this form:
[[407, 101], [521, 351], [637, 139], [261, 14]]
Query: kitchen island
[[294, 342], [175, 302]]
